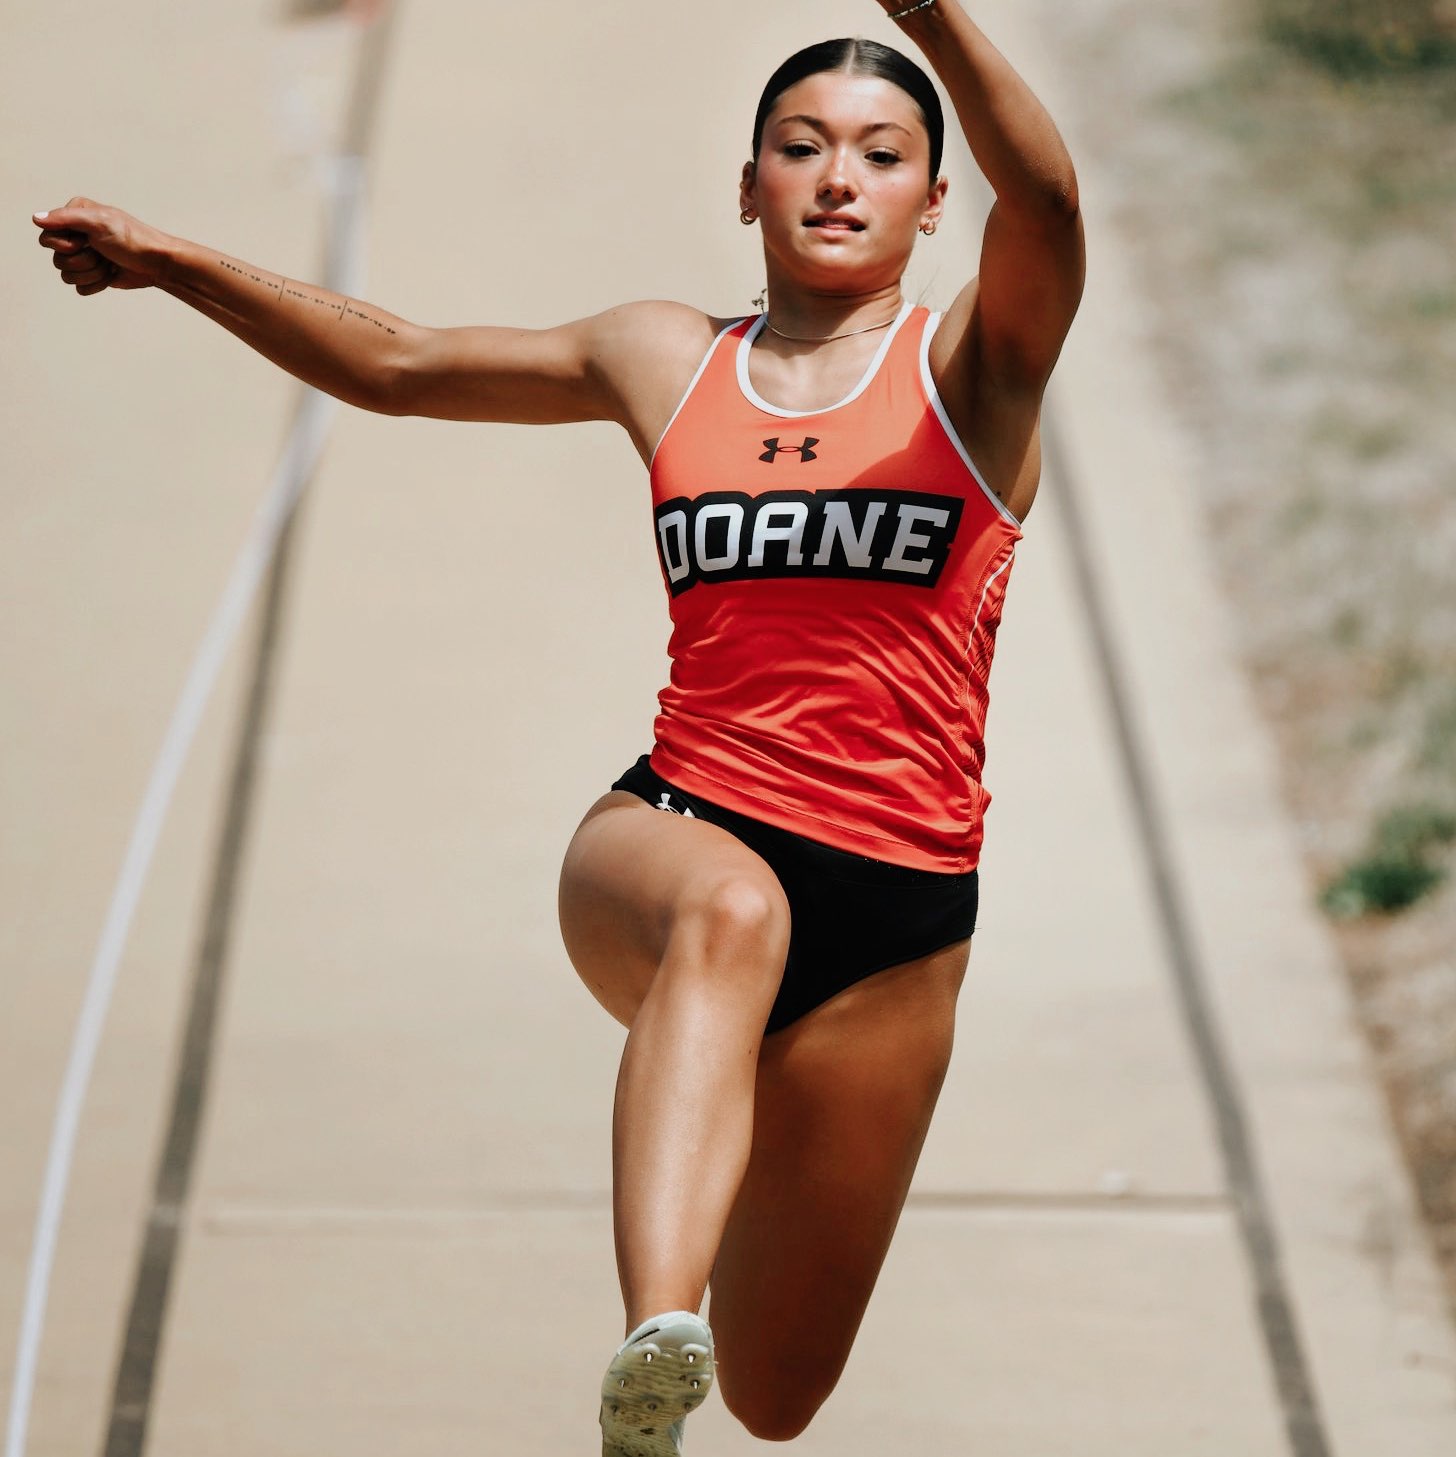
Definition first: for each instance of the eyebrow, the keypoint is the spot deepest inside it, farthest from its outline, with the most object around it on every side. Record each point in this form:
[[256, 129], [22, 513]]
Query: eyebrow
[[813, 121]]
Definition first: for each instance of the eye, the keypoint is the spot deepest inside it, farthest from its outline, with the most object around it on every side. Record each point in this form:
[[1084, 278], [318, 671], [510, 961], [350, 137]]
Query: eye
[[799, 149], [883, 157]]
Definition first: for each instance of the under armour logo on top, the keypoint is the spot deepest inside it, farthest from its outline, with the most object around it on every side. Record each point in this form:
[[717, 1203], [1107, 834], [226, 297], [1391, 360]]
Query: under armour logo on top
[[805, 452], [666, 803]]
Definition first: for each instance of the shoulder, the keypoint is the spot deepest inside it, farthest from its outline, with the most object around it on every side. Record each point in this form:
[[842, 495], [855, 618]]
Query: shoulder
[[644, 354], [654, 328]]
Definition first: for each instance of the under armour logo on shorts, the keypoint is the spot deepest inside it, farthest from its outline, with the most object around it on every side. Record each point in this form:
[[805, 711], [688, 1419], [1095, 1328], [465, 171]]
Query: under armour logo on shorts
[[666, 803], [805, 452]]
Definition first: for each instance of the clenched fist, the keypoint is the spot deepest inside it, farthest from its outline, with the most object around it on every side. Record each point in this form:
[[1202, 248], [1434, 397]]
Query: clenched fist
[[96, 247]]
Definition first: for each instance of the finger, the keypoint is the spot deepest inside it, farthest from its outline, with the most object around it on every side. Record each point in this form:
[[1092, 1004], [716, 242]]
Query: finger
[[82, 258], [78, 276], [62, 242], [87, 289], [76, 213], [73, 269], [82, 262]]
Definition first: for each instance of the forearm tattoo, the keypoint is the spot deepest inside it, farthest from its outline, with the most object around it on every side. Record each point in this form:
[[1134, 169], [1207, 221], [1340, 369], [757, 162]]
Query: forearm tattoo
[[284, 288]]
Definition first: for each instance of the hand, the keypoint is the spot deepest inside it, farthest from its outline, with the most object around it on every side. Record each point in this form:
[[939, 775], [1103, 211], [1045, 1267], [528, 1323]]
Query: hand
[[96, 247]]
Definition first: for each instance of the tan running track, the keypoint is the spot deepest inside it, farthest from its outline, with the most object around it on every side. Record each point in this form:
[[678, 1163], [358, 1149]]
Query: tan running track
[[397, 1236]]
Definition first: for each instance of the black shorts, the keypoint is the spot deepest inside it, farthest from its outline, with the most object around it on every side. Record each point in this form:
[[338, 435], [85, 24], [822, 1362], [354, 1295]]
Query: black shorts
[[850, 916]]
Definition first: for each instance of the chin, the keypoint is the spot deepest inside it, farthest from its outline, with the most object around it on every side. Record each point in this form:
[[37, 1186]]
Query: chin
[[846, 275]]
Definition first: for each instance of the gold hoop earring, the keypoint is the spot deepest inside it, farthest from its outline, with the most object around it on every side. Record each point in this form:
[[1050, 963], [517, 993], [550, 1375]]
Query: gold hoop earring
[[927, 228], [747, 218]]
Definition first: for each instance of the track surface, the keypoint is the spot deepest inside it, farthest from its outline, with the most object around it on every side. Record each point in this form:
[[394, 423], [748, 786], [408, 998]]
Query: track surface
[[342, 1168]]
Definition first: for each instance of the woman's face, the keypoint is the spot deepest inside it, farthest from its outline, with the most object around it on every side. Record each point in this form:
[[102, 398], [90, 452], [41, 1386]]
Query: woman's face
[[842, 182]]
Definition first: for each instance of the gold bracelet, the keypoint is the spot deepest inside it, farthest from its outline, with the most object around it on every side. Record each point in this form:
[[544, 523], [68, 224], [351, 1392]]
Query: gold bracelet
[[911, 9]]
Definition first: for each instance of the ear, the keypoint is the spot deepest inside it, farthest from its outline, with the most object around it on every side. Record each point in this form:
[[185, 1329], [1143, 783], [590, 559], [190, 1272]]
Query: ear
[[935, 202], [746, 200]]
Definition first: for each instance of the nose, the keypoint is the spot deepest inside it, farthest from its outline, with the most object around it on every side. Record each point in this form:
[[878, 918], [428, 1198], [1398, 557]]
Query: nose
[[837, 179]]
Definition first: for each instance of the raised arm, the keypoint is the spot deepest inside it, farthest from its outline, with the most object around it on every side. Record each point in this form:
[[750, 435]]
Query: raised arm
[[1009, 325], [352, 350]]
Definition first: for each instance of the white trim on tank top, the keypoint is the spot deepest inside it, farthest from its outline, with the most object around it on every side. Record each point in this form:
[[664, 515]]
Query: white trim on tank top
[[693, 383], [981, 605], [936, 404], [754, 398]]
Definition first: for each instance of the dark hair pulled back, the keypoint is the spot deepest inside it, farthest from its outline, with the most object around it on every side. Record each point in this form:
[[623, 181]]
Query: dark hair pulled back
[[858, 57]]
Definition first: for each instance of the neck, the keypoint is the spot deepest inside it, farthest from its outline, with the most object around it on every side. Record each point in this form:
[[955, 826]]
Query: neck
[[815, 316]]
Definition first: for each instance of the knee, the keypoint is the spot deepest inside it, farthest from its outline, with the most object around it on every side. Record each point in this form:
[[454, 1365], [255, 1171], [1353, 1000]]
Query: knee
[[774, 1415], [737, 920], [776, 1392]]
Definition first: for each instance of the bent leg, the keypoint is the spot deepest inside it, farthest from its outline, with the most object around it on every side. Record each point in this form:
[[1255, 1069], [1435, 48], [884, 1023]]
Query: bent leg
[[844, 1100], [680, 931]]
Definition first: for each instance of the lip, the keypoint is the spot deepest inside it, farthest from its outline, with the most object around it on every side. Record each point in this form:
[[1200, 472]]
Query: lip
[[835, 222]]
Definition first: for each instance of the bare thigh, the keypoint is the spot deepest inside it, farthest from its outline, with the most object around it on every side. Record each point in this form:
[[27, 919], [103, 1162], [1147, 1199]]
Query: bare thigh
[[680, 931], [843, 1102], [637, 880]]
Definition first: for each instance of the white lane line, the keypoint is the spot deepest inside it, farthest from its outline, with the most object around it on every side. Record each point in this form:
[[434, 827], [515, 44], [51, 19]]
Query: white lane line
[[301, 452]]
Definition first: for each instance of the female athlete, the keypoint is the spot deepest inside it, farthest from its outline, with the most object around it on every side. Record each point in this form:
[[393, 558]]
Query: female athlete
[[838, 485]]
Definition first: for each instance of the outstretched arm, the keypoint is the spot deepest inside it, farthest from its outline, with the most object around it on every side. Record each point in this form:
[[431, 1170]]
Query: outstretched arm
[[1009, 326], [352, 350]]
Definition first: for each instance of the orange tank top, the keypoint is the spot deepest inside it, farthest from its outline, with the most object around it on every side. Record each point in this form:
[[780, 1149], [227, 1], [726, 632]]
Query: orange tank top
[[835, 581]]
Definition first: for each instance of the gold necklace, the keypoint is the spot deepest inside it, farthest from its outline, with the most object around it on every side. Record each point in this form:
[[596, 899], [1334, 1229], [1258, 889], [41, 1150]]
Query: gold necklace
[[827, 338]]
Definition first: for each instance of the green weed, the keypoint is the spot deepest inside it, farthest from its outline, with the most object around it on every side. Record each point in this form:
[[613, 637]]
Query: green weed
[[1364, 39], [1398, 869], [1379, 884], [1413, 830]]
